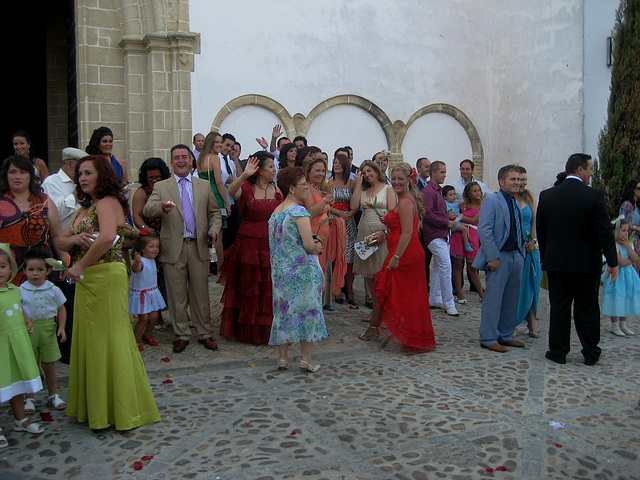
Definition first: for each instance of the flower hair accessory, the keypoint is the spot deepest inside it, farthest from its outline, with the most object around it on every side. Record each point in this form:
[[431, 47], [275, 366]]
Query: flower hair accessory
[[413, 176]]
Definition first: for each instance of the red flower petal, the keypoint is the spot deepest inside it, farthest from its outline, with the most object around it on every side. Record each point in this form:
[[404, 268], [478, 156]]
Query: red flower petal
[[559, 445], [380, 373], [501, 468], [137, 465], [147, 457], [489, 469], [46, 417], [165, 359], [293, 433], [168, 380]]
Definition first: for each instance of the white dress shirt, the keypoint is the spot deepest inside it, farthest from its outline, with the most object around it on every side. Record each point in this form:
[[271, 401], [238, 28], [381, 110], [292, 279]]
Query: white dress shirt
[[59, 187]]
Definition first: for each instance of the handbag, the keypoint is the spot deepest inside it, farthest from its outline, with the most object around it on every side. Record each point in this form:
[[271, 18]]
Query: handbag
[[364, 250], [372, 239]]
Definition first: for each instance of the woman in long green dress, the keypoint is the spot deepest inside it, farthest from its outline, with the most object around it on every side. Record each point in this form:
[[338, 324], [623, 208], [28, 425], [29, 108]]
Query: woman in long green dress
[[208, 168], [108, 384]]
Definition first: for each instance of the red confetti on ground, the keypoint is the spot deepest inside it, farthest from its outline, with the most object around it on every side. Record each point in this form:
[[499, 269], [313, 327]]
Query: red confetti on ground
[[165, 359], [559, 445], [489, 469], [168, 380], [380, 373], [446, 404], [46, 417], [293, 433], [501, 468], [137, 465], [147, 457]]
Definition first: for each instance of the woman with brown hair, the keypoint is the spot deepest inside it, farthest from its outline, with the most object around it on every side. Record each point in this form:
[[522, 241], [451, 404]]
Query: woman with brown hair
[[376, 198], [208, 167], [246, 275], [108, 384], [297, 277]]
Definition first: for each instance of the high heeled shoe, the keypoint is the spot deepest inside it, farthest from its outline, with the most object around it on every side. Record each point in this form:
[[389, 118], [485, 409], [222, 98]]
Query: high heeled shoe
[[370, 338], [308, 367], [283, 365], [149, 341]]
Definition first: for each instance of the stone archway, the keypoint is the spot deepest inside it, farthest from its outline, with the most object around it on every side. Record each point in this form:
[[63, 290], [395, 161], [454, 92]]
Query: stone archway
[[267, 103], [462, 119]]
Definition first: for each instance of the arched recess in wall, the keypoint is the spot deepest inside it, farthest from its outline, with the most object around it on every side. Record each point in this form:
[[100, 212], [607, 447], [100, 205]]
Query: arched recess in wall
[[462, 119], [358, 101], [258, 101]]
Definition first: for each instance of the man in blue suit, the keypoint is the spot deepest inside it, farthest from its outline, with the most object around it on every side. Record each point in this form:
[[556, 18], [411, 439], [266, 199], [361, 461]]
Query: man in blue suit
[[501, 255]]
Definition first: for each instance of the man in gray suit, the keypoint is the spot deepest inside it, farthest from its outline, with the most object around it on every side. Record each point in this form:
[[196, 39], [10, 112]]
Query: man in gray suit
[[501, 255]]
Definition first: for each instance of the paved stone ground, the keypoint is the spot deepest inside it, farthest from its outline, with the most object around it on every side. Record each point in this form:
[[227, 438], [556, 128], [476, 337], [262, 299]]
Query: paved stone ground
[[371, 412]]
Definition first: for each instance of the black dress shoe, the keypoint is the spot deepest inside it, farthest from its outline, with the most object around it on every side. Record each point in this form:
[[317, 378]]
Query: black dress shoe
[[591, 362], [555, 359]]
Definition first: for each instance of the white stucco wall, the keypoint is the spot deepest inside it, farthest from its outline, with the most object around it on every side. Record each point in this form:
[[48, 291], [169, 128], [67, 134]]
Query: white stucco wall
[[514, 68], [599, 20]]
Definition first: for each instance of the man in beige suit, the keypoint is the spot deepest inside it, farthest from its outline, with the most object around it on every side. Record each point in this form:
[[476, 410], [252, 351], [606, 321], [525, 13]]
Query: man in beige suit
[[189, 213]]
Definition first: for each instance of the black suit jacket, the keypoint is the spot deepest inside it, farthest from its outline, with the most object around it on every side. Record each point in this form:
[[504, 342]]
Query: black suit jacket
[[574, 229]]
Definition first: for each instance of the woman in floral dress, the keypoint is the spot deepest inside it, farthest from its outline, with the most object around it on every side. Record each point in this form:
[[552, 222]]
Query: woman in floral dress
[[295, 273]]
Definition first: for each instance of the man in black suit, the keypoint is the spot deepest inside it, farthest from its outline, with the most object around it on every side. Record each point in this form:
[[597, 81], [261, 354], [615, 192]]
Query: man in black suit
[[573, 232]]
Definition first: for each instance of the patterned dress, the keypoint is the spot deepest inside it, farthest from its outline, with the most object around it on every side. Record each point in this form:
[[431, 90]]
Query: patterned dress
[[108, 383], [342, 202], [24, 230], [297, 282]]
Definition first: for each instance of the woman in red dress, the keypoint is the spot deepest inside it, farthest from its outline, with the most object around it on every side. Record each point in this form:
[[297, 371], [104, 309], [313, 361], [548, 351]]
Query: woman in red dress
[[247, 313], [402, 311]]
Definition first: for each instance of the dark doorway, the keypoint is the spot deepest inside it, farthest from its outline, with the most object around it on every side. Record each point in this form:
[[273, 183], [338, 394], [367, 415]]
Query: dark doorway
[[24, 38]]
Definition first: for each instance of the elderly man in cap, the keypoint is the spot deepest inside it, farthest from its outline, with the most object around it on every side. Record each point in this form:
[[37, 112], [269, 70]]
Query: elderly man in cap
[[61, 187]]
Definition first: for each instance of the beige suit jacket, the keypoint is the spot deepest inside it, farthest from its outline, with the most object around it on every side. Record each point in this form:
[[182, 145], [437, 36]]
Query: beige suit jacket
[[172, 231]]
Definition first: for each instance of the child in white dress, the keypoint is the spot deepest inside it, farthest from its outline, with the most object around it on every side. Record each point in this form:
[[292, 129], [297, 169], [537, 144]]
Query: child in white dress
[[145, 300], [621, 299]]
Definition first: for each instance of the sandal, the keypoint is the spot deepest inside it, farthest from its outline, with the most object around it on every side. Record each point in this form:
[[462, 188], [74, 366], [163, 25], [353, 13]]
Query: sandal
[[29, 406], [309, 367], [149, 341], [534, 334], [55, 402], [140, 347], [35, 428], [3, 440], [371, 338], [283, 365]]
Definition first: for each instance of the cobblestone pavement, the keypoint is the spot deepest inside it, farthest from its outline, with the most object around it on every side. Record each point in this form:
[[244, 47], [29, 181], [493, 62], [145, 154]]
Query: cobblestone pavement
[[371, 412]]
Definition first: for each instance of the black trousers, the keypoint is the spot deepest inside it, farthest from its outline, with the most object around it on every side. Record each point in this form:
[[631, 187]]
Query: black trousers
[[580, 291], [233, 223]]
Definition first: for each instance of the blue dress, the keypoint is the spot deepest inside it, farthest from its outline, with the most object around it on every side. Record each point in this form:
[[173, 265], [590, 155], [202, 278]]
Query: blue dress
[[297, 281], [531, 273], [622, 298]]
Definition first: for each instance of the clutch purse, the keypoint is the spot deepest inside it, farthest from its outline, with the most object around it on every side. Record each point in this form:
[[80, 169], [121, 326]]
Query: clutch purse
[[371, 239]]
